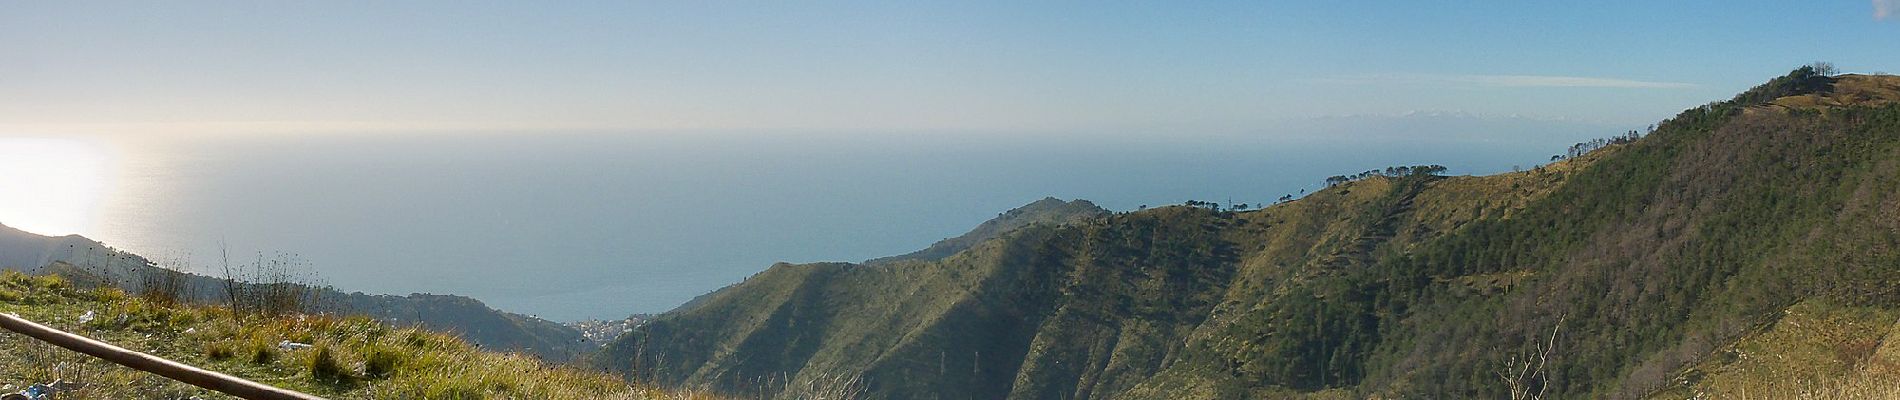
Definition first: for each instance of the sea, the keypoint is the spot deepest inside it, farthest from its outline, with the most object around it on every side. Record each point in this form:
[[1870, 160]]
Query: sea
[[578, 225]]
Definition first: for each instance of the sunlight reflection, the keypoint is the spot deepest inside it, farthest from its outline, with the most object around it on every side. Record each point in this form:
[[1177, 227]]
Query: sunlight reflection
[[52, 186]]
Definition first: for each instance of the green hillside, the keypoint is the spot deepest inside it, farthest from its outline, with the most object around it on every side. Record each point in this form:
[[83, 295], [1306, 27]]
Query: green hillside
[[1635, 267], [1049, 210]]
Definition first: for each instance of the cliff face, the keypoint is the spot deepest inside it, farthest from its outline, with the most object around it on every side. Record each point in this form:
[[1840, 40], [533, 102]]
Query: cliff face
[[1627, 265]]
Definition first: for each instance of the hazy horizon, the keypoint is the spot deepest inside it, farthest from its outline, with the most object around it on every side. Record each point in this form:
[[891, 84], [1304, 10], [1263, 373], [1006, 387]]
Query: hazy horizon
[[595, 225], [594, 159]]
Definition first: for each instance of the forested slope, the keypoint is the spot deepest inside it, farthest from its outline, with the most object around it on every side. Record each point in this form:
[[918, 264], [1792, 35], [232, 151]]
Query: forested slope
[[1628, 265]]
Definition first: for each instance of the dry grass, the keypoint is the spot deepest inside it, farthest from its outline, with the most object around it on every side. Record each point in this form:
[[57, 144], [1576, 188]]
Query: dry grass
[[1860, 90], [351, 357], [1816, 351]]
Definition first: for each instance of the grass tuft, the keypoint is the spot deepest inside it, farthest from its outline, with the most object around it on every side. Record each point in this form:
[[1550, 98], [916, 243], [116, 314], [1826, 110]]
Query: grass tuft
[[220, 351], [353, 357], [323, 366], [381, 362]]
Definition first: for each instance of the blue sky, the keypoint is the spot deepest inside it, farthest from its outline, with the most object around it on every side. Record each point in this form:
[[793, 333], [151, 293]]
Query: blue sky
[[883, 67], [622, 148]]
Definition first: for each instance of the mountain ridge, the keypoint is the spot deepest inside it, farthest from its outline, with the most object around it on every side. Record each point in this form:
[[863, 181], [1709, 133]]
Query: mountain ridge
[[1638, 258], [1048, 210]]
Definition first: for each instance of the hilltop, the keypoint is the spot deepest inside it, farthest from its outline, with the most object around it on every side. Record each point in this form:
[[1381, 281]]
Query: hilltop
[[24, 251], [1049, 210], [1681, 264], [1845, 91]]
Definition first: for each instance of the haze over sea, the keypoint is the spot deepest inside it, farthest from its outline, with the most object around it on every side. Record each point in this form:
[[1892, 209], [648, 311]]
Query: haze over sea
[[596, 159], [570, 226]]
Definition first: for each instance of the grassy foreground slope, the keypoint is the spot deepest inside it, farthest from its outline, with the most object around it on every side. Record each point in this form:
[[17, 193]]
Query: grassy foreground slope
[[84, 260], [1634, 267], [352, 357]]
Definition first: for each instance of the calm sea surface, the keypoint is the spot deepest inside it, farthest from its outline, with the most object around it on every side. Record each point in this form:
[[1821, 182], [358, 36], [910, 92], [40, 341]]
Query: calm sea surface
[[573, 226]]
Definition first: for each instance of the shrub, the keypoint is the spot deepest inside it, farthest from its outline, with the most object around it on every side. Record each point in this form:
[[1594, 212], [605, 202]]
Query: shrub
[[164, 286], [261, 353], [50, 282], [324, 366], [281, 285], [220, 350], [381, 362]]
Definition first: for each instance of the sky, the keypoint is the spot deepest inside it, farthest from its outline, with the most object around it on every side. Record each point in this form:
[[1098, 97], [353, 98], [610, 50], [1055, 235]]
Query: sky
[[890, 67], [670, 148]]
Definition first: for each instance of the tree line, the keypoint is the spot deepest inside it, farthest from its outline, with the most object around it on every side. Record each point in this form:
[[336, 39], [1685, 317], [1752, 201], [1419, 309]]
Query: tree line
[[1579, 149], [1389, 172]]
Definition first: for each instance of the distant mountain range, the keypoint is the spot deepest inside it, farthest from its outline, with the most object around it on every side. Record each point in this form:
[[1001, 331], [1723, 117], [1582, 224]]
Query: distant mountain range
[[1746, 248], [89, 261]]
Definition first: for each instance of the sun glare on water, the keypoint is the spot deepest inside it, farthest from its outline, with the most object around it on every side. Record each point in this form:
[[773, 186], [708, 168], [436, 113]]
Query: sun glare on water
[[51, 186]]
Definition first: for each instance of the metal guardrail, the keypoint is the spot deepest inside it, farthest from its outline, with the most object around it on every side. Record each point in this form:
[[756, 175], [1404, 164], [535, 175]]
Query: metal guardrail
[[195, 376]]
